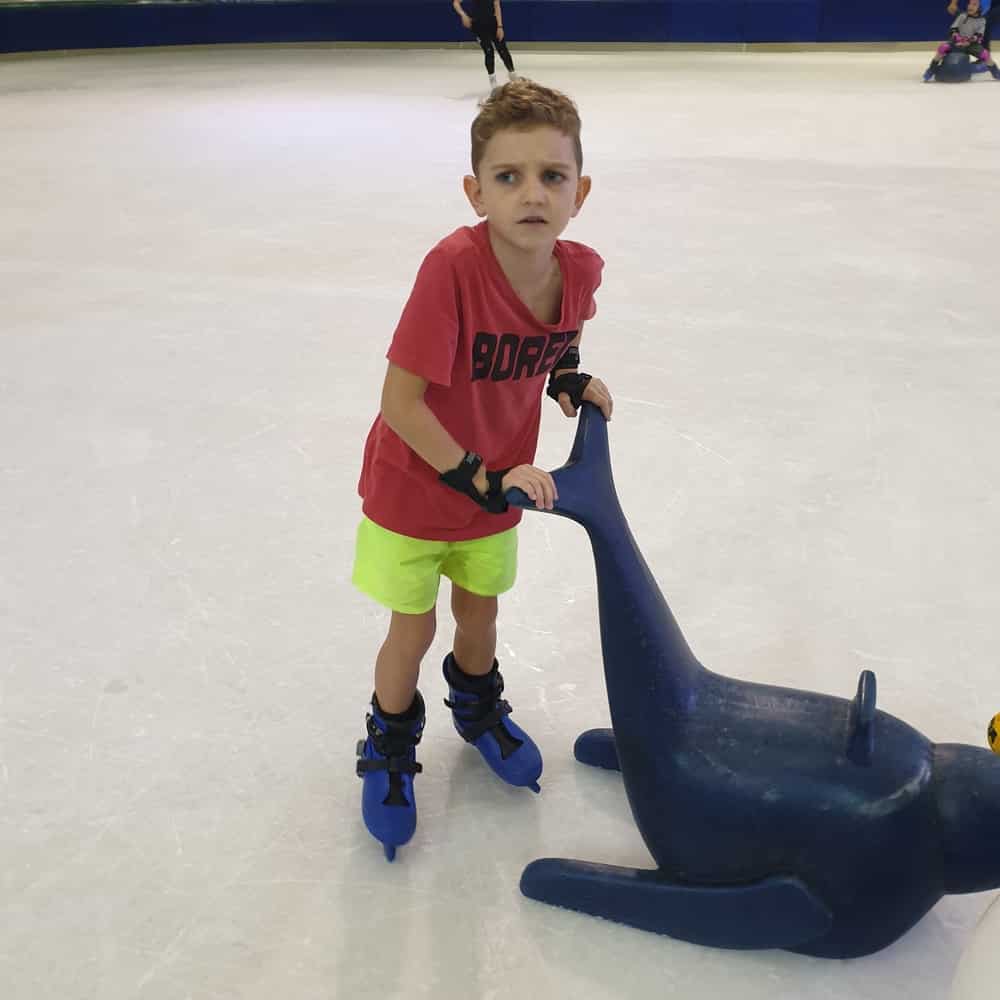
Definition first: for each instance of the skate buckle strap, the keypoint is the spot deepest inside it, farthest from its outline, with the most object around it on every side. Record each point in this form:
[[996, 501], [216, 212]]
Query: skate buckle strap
[[486, 713], [394, 765], [393, 747]]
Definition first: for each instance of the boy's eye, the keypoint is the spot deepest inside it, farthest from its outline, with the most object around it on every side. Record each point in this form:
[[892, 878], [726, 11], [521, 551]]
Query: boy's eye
[[550, 177]]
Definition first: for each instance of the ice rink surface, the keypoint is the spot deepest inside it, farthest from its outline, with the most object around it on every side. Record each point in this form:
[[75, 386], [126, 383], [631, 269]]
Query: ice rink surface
[[202, 259]]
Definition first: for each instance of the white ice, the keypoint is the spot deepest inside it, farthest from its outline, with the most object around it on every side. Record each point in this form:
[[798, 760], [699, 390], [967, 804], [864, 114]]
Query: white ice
[[203, 254]]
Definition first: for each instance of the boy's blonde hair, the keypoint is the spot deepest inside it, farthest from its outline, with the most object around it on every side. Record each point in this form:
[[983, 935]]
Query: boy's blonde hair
[[523, 105]]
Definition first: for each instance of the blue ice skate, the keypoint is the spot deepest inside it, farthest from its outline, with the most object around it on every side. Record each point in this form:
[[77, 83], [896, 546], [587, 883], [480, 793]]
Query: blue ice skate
[[482, 718], [387, 763]]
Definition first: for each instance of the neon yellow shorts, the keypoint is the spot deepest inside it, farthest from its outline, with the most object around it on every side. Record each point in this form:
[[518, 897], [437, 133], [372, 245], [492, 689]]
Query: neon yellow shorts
[[404, 573]]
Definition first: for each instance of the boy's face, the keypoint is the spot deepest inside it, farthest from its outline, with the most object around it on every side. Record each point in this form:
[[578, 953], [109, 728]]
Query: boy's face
[[528, 185], [973, 8]]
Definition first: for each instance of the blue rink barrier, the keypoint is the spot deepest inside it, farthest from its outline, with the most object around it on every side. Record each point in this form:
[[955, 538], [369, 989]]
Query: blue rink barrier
[[27, 27]]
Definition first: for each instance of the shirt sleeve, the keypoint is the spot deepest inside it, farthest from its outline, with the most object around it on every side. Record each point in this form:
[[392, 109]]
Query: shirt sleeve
[[592, 281], [426, 337]]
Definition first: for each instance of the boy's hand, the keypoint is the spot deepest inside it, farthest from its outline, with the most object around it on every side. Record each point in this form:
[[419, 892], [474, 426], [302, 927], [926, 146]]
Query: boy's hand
[[500, 33], [467, 22], [953, 7], [596, 392], [537, 483]]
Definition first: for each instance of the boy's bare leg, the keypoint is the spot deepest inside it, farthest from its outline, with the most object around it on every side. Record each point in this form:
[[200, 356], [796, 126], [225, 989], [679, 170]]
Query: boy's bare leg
[[475, 631], [397, 667]]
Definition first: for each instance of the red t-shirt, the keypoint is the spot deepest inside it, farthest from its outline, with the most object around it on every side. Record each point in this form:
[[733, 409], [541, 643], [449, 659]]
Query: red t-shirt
[[486, 358]]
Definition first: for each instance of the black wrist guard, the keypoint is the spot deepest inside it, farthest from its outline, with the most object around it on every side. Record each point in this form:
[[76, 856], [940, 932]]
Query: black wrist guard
[[570, 359], [571, 383], [461, 479], [494, 501]]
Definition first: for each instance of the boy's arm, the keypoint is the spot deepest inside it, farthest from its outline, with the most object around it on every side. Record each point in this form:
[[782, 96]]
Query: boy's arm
[[404, 410], [588, 388], [497, 13], [575, 342], [457, 7]]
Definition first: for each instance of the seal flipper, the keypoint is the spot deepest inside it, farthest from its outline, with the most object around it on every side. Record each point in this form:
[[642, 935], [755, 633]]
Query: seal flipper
[[596, 747], [861, 724], [774, 913]]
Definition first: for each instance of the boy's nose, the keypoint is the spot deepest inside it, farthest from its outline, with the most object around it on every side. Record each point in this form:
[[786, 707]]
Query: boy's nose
[[533, 193]]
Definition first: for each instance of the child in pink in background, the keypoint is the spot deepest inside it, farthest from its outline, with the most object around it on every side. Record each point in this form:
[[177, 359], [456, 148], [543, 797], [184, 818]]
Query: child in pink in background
[[967, 32]]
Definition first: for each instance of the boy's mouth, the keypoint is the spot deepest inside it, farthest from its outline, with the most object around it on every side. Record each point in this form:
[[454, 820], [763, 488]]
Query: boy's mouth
[[532, 220]]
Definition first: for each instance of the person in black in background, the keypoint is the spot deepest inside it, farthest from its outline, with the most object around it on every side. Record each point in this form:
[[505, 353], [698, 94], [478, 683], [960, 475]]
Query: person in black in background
[[992, 11], [486, 23]]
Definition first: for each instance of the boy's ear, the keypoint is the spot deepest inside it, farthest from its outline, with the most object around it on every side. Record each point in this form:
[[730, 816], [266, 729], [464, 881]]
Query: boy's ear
[[582, 190], [474, 192]]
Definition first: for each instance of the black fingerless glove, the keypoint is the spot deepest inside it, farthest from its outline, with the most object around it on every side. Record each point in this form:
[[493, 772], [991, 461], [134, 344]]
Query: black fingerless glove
[[461, 479], [571, 383]]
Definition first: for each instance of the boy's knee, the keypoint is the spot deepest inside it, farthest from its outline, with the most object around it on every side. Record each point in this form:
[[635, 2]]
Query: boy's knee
[[415, 632], [472, 612]]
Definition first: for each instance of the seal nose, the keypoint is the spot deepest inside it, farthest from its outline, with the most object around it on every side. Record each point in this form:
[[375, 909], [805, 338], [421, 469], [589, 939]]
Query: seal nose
[[586, 482], [968, 797]]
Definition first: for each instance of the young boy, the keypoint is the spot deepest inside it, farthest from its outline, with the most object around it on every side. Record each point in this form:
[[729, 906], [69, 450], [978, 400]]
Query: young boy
[[494, 310], [486, 23], [966, 35]]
